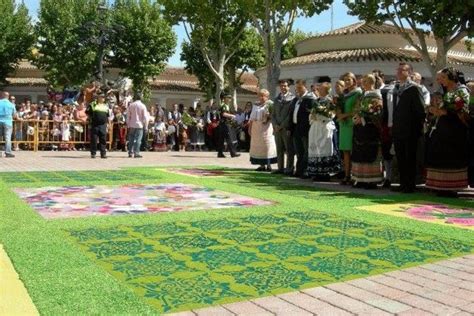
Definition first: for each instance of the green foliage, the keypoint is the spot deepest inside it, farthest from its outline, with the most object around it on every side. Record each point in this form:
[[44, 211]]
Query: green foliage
[[16, 37], [449, 21], [213, 27], [65, 52], [196, 65], [132, 34], [289, 49], [249, 55], [143, 42]]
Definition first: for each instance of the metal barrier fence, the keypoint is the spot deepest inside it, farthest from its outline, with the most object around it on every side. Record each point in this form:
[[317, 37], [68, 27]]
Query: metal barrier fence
[[62, 135]]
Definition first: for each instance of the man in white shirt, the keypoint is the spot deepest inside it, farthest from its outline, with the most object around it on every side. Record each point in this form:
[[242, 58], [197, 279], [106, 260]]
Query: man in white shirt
[[137, 120]]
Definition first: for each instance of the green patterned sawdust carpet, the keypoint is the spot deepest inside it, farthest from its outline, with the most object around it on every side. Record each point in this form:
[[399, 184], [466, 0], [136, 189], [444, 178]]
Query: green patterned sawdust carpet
[[174, 262]]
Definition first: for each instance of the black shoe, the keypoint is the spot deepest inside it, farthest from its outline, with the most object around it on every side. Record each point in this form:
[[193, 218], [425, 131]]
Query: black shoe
[[305, 176], [8, 155], [397, 189], [386, 184], [138, 156], [130, 156], [269, 169], [93, 156], [235, 155], [220, 156], [322, 178], [261, 168], [103, 157], [345, 181], [370, 186]]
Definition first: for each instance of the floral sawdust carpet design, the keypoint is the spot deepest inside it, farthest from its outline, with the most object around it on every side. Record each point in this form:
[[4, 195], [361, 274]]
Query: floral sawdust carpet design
[[184, 265], [78, 201], [430, 212]]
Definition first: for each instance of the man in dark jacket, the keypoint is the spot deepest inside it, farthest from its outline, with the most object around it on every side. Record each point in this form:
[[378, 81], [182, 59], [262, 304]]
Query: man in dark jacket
[[299, 126], [99, 115], [281, 122], [408, 119]]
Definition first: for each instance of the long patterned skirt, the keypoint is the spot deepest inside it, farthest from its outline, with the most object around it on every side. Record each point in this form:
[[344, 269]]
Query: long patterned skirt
[[262, 144], [446, 179], [323, 155], [367, 172]]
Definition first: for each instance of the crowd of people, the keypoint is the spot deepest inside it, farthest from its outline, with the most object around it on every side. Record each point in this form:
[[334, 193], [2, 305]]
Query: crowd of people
[[357, 132], [354, 133]]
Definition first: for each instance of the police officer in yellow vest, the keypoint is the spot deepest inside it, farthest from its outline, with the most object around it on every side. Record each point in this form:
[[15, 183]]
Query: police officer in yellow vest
[[99, 114]]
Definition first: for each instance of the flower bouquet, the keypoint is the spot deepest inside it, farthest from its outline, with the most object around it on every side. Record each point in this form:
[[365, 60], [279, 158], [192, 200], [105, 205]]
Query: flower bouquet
[[370, 107], [323, 107]]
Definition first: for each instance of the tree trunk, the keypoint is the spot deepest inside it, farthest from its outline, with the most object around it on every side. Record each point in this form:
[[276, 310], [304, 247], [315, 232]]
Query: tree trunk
[[233, 84]]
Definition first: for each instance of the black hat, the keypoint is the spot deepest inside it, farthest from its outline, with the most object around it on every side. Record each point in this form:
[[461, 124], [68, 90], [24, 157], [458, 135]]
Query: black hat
[[324, 79]]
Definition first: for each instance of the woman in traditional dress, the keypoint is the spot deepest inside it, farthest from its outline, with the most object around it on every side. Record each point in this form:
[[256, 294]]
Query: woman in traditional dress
[[262, 141], [160, 132], [344, 116], [323, 156], [447, 141], [195, 130], [366, 154]]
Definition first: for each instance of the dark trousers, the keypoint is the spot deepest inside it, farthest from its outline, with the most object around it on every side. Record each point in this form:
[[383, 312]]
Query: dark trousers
[[301, 149], [284, 145], [100, 132], [224, 134], [405, 151], [471, 153]]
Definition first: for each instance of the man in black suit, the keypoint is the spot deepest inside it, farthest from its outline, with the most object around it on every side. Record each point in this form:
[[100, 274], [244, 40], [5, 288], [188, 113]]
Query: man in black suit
[[408, 119], [299, 126]]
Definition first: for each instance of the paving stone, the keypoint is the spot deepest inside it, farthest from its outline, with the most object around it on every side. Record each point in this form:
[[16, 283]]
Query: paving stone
[[434, 275], [213, 311], [313, 305], [444, 298], [468, 308], [424, 282], [319, 292], [428, 305], [462, 314], [396, 283], [456, 265], [415, 312], [462, 293], [280, 307], [450, 272], [464, 261], [466, 285], [347, 303], [246, 308], [378, 288]]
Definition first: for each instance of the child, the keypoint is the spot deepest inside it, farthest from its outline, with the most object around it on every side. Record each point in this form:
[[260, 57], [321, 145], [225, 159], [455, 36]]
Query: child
[[65, 134], [160, 133]]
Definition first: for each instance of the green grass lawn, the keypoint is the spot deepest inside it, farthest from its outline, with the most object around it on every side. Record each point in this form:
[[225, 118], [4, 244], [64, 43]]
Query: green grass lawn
[[154, 263]]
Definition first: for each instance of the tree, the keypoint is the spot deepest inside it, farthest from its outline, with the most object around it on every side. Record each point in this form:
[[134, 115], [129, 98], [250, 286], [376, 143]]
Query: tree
[[67, 58], [289, 48], [274, 21], [448, 21], [143, 41], [249, 55], [16, 37], [196, 65], [213, 26]]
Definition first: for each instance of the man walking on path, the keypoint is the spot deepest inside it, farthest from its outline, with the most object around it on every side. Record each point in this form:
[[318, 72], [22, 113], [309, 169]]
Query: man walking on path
[[137, 119], [7, 112]]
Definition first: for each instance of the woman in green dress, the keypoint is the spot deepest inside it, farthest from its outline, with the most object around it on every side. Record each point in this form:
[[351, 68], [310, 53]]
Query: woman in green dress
[[352, 94]]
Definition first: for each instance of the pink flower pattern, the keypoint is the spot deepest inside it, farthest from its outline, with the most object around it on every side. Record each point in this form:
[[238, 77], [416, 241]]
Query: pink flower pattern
[[432, 212], [100, 200]]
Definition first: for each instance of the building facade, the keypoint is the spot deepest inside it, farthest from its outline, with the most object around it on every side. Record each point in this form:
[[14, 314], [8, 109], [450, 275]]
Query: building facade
[[361, 48], [172, 86]]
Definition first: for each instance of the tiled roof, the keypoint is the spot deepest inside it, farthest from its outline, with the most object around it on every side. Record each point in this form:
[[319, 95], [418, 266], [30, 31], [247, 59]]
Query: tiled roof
[[359, 28], [171, 79], [368, 54]]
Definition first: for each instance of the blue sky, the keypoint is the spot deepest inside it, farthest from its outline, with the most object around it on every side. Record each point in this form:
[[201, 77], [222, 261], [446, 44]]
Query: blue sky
[[316, 24]]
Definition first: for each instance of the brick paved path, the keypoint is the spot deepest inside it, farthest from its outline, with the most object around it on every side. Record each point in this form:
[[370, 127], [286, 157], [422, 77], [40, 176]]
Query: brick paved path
[[442, 288]]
